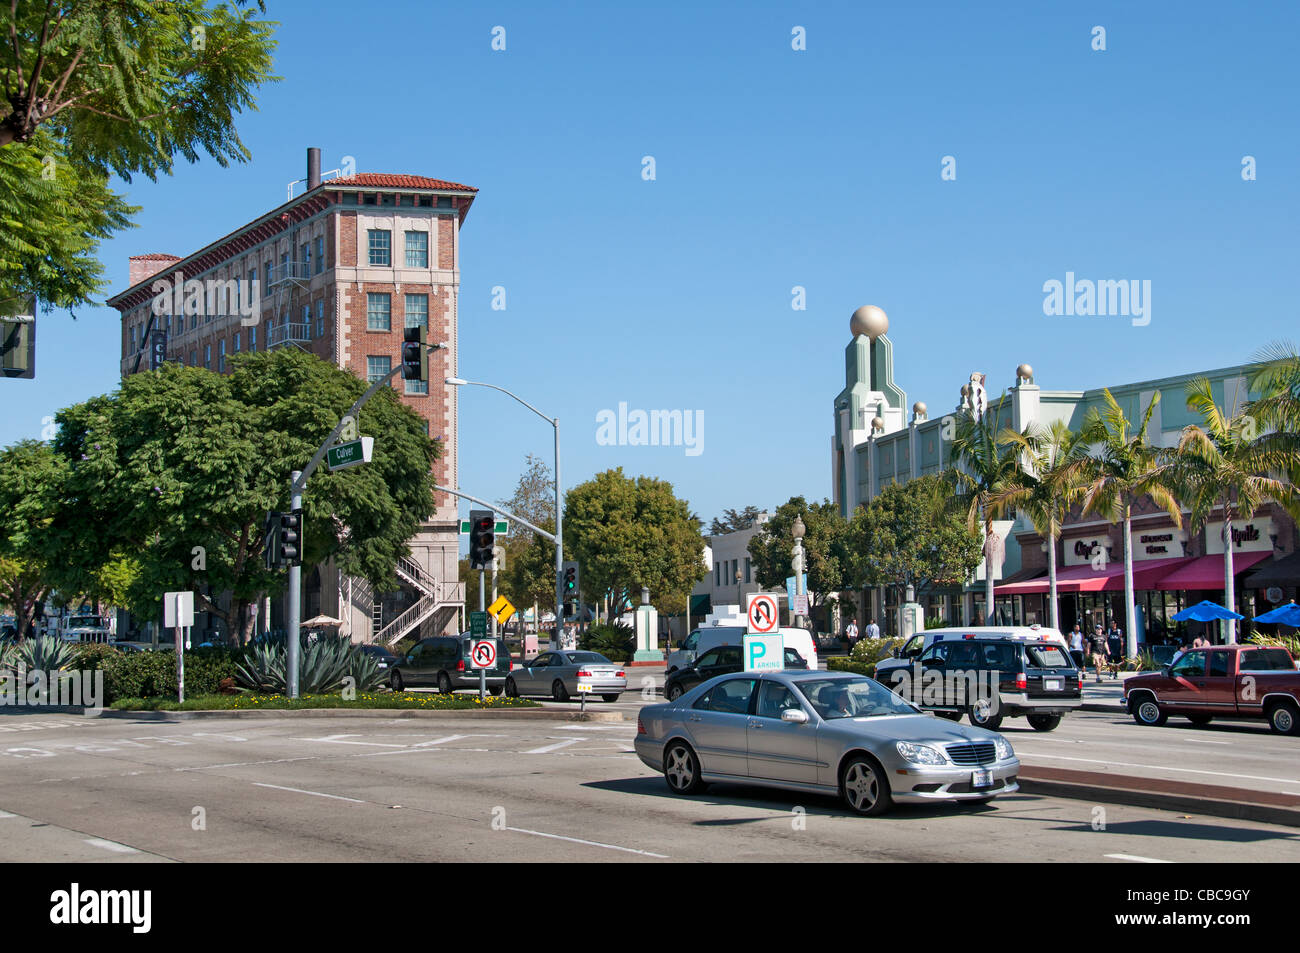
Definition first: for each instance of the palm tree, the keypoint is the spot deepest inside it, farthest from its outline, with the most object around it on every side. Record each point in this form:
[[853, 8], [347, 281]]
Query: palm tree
[[1224, 466], [984, 470], [1056, 458], [1276, 378], [1123, 468]]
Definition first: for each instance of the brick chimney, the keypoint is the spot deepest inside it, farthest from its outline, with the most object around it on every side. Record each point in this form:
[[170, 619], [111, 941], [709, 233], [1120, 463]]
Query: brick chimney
[[146, 266]]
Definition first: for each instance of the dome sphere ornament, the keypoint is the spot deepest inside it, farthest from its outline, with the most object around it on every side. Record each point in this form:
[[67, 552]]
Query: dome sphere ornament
[[1025, 373], [877, 424], [919, 409], [869, 320]]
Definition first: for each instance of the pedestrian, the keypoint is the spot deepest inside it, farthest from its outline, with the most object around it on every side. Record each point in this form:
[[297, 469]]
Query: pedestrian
[[850, 636], [1076, 646], [1115, 648], [1098, 646], [873, 630]]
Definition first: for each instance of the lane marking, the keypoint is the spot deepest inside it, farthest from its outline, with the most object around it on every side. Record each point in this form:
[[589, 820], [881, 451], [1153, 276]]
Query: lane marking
[[1161, 767], [4, 814], [627, 728], [338, 740], [110, 845], [334, 797], [1201, 741], [547, 749], [589, 843], [1138, 860]]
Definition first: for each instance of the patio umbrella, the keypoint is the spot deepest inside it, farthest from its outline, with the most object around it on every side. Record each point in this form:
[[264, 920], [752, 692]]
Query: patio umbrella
[[1288, 614], [320, 622], [1206, 612]]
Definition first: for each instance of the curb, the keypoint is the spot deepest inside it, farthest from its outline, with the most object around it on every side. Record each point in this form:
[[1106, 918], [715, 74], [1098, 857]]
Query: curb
[[1240, 804], [536, 714]]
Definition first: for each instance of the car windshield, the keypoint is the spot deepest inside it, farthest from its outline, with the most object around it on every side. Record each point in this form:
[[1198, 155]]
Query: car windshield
[[1046, 656], [852, 698], [588, 657]]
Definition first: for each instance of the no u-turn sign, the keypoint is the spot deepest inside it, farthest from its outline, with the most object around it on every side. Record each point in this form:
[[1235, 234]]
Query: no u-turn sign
[[762, 617]]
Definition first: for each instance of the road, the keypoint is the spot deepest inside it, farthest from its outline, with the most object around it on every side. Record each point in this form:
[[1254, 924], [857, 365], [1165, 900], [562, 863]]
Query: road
[[451, 787]]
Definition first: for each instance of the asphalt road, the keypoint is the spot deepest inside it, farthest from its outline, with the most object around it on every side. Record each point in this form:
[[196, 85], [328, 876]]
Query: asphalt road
[[350, 788]]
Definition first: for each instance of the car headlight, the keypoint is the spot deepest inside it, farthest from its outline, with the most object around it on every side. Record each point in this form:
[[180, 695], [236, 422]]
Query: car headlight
[[919, 754], [1003, 748]]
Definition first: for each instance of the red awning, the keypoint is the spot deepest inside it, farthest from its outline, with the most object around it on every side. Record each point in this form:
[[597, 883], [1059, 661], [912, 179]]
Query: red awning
[[1206, 572], [1146, 572]]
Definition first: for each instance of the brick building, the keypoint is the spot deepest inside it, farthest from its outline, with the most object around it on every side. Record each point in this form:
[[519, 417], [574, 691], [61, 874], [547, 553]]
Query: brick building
[[339, 271]]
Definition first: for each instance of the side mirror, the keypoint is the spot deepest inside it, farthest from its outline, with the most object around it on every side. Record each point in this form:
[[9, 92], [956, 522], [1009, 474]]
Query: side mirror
[[796, 716]]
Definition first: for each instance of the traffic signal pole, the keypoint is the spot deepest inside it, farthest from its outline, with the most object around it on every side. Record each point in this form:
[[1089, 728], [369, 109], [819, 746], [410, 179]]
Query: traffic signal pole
[[559, 546]]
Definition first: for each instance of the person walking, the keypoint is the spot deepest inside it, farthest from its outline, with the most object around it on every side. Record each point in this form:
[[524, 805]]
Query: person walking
[[1098, 646], [1076, 646], [1115, 648], [873, 630], [850, 636]]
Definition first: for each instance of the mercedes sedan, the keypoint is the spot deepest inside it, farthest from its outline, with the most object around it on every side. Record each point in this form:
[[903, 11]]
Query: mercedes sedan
[[558, 675], [823, 733]]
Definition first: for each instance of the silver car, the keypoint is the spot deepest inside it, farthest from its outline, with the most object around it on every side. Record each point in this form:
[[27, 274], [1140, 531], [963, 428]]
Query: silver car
[[824, 733], [557, 674]]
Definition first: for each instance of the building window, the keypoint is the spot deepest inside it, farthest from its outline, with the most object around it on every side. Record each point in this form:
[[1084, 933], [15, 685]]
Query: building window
[[266, 281], [284, 265], [381, 246], [207, 356], [746, 569], [417, 311], [221, 356], [252, 338], [717, 574], [379, 311], [306, 259], [306, 320], [320, 318], [320, 255], [194, 358], [133, 337], [377, 368], [417, 249], [237, 334]]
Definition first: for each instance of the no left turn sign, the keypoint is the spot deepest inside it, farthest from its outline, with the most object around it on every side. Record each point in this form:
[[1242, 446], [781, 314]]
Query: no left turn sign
[[483, 654], [762, 616]]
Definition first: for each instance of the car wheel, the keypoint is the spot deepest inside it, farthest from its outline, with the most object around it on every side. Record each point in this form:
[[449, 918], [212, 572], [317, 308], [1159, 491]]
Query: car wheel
[[610, 698], [682, 769], [985, 714], [395, 682], [1044, 722], [444, 683], [1200, 721], [864, 787], [512, 690], [495, 690], [559, 692], [1147, 712], [674, 693], [1284, 719]]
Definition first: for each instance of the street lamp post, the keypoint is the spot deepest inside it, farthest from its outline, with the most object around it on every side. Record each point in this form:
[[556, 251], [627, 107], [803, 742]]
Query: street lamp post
[[559, 516], [797, 531]]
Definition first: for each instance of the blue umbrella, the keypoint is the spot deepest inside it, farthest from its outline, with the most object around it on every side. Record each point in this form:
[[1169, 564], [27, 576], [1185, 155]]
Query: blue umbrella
[[1206, 612], [1288, 614]]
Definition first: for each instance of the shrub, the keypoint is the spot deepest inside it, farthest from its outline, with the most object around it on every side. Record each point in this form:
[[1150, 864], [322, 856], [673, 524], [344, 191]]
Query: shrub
[[871, 651], [153, 674], [1289, 642], [322, 666], [616, 642]]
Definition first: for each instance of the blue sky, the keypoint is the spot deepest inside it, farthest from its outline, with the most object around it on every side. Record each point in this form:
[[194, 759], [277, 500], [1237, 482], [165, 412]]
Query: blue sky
[[774, 168]]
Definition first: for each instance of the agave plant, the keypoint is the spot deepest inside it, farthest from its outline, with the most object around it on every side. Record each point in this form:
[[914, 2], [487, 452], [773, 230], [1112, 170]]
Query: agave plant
[[48, 653], [322, 666]]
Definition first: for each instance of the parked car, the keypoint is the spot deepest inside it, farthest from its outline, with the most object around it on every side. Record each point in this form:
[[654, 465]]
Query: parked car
[[443, 661], [708, 637], [557, 674], [1231, 681], [384, 658], [989, 679], [722, 660], [918, 643], [830, 733]]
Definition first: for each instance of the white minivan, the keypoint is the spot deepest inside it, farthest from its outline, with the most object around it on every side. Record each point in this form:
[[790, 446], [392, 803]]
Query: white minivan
[[701, 640]]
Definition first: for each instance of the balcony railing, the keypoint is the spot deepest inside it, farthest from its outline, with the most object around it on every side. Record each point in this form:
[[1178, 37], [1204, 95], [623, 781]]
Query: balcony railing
[[290, 271], [288, 334]]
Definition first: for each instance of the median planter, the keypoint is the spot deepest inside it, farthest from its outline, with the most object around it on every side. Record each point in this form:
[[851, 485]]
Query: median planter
[[257, 701]]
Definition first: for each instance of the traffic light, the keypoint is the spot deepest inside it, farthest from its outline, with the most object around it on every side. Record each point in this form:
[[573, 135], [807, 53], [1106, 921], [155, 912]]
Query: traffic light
[[482, 538], [271, 541], [415, 367], [17, 339], [569, 585], [289, 541]]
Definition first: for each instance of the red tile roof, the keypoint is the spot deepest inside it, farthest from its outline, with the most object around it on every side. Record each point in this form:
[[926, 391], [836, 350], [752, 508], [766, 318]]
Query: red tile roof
[[383, 180], [156, 256]]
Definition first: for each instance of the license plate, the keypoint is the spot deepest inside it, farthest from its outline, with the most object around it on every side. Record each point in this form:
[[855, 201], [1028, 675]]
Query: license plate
[[1052, 684], [981, 778]]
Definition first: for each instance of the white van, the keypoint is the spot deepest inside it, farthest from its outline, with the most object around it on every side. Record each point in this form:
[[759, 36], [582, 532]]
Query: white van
[[701, 640]]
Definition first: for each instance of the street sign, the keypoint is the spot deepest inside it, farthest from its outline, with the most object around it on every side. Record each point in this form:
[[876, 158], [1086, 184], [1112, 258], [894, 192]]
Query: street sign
[[501, 528], [350, 454], [762, 617], [478, 622], [763, 653], [585, 687], [799, 605], [178, 609], [483, 654], [502, 609]]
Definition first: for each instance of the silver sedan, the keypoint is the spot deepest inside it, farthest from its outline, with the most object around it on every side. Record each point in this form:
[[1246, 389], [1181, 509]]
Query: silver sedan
[[823, 733], [558, 674]]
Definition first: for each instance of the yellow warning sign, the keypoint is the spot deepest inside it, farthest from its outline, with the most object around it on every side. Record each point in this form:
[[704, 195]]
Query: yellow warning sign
[[502, 609]]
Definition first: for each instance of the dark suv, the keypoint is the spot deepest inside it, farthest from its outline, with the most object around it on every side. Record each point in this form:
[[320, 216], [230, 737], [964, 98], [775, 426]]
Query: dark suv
[[722, 660], [443, 661], [991, 679]]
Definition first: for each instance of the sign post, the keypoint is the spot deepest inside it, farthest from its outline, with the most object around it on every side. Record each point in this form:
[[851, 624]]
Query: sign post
[[178, 613], [482, 656]]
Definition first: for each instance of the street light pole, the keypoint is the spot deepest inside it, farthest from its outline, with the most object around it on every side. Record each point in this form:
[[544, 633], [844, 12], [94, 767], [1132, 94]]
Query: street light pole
[[797, 531]]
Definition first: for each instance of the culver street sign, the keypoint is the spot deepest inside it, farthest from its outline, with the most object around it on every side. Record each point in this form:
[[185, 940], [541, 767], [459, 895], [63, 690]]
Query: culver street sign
[[350, 454]]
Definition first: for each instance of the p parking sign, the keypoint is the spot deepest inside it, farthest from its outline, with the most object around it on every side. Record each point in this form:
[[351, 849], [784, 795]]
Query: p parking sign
[[763, 653]]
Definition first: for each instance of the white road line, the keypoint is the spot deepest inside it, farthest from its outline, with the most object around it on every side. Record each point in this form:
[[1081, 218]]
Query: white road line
[[334, 797], [1202, 741], [589, 843], [111, 845], [441, 741], [4, 814], [547, 749], [595, 728], [338, 740], [238, 764], [1159, 767], [1138, 860]]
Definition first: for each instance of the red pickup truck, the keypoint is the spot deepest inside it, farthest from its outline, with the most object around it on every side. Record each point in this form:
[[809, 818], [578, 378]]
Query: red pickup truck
[[1231, 681]]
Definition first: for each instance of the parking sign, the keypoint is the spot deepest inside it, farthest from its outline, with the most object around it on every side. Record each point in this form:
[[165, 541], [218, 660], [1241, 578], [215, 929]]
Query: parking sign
[[763, 653]]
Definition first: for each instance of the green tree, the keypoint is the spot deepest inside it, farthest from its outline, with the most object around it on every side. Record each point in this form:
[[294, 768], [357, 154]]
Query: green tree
[[914, 535], [829, 559], [1125, 466], [1222, 466], [99, 87], [1056, 458], [31, 482], [984, 469], [1275, 378], [632, 533], [179, 467], [530, 559], [733, 520]]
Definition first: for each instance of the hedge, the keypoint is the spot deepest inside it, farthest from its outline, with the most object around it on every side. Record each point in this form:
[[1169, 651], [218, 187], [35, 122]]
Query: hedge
[[153, 674]]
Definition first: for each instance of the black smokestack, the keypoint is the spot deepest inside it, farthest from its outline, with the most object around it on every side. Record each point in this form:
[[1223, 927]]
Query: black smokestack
[[313, 168]]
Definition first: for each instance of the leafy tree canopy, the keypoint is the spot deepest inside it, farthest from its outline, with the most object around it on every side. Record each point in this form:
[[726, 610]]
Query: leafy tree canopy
[[826, 548], [732, 520]]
